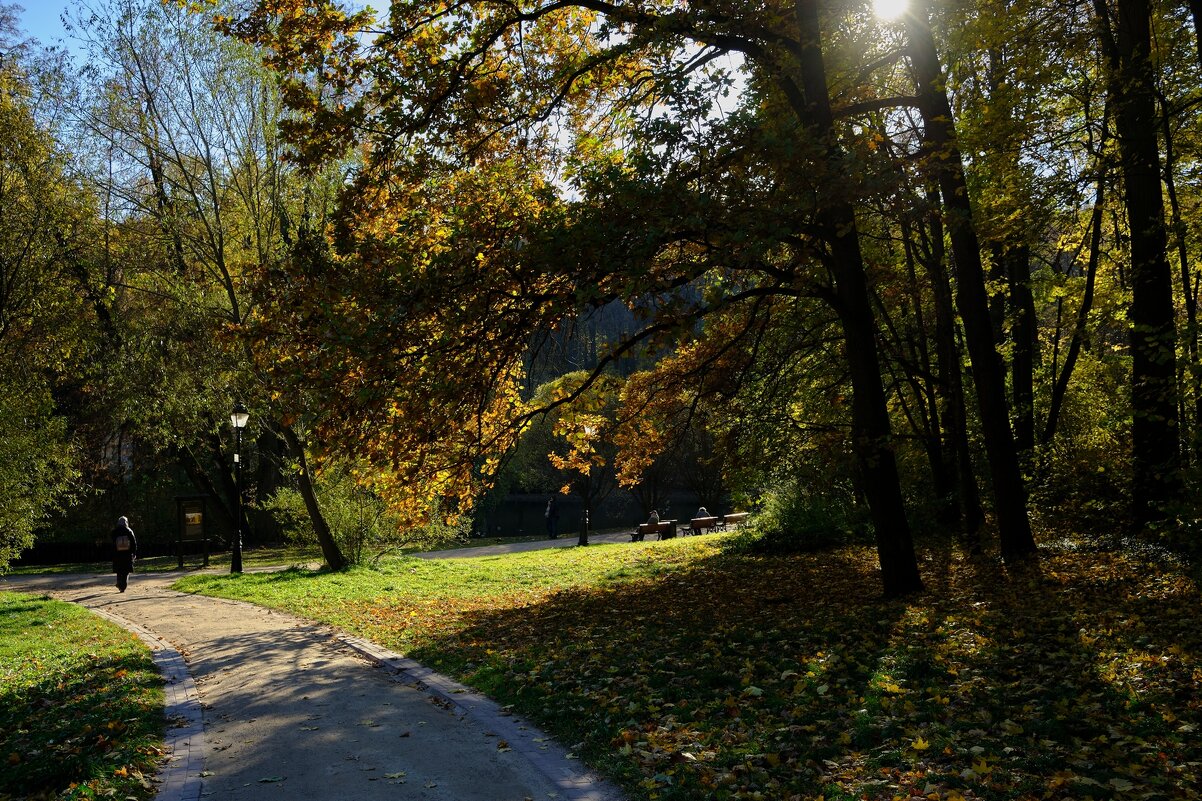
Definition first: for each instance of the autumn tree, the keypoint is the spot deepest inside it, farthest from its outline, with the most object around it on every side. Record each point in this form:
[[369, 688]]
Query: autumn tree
[[189, 160], [947, 170], [486, 88], [44, 311], [1124, 30], [582, 448]]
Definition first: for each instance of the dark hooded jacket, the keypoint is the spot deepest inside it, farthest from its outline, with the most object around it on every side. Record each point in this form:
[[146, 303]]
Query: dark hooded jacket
[[123, 561]]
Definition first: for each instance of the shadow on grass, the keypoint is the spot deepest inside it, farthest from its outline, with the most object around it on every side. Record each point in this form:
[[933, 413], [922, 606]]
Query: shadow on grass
[[692, 681], [80, 724], [790, 677]]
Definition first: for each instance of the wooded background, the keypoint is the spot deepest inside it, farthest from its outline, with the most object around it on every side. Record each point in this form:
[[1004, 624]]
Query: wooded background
[[926, 276]]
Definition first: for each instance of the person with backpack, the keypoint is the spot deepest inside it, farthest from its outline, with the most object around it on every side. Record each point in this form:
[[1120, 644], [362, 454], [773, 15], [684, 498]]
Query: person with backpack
[[125, 550]]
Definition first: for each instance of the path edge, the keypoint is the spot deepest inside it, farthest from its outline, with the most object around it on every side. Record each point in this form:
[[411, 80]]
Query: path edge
[[539, 748], [179, 776]]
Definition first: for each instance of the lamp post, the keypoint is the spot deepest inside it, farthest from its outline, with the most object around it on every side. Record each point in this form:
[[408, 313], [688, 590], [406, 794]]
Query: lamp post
[[238, 418], [588, 486]]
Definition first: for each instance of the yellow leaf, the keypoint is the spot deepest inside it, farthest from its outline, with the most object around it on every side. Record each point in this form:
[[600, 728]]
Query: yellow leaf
[[920, 745]]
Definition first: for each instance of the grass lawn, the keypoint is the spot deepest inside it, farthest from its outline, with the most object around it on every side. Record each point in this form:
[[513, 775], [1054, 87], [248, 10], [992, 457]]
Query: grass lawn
[[81, 704], [685, 671]]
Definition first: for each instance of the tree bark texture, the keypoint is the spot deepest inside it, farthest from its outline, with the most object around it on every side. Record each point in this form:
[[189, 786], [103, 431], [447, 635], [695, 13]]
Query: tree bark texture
[[1156, 454], [871, 430], [1014, 527], [1024, 337]]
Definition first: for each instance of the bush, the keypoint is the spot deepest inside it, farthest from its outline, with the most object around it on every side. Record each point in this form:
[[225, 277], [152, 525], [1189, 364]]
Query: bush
[[37, 466], [359, 520], [1083, 477], [799, 515]]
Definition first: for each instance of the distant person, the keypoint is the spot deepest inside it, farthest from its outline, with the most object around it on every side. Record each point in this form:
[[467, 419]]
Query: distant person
[[654, 519], [125, 551], [552, 516], [702, 512]]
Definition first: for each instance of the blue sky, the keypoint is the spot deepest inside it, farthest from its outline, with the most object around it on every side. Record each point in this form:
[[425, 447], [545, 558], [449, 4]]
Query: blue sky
[[40, 19]]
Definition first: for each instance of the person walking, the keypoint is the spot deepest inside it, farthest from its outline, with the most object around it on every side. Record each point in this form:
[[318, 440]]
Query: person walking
[[552, 516], [125, 551]]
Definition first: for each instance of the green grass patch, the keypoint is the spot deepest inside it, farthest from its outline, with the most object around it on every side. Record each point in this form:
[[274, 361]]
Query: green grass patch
[[81, 704], [685, 671]]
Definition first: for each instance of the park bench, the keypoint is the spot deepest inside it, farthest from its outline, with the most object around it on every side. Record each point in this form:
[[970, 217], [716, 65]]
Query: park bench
[[731, 519], [665, 529], [700, 525]]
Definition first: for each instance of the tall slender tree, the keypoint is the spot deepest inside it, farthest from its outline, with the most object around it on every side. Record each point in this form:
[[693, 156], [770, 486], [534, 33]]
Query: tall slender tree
[[1014, 526], [1125, 32]]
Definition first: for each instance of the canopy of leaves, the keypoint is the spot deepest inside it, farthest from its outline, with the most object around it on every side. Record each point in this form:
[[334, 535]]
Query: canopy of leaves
[[41, 311], [517, 171]]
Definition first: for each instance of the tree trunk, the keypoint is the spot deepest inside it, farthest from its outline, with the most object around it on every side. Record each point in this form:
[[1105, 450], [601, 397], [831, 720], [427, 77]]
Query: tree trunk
[[1014, 528], [871, 432], [943, 462], [1060, 385], [329, 548], [1187, 286], [997, 302], [1156, 455], [1024, 336], [948, 353]]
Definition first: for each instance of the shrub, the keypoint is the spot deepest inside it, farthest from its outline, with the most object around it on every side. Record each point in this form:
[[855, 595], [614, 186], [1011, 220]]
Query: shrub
[[797, 515], [359, 520], [37, 466]]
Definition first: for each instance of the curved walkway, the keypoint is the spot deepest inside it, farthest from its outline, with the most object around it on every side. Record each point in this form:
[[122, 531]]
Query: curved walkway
[[294, 710]]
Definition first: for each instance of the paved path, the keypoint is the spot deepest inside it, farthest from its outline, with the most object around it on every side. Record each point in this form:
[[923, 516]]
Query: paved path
[[566, 541], [294, 710]]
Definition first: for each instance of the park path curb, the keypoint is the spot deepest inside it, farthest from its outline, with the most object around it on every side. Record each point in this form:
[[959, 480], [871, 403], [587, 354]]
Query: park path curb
[[547, 756], [182, 775], [179, 778]]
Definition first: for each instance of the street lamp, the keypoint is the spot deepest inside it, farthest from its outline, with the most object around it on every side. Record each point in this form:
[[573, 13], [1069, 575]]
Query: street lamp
[[238, 418], [588, 485]]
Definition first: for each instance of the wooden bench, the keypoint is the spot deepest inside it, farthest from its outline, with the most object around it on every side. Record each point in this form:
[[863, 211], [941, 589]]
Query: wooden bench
[[664, 529], [702, 524], [732, 519]]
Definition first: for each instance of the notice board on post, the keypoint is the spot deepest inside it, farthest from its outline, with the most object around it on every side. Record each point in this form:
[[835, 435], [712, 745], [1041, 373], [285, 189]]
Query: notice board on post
[[192, 513]]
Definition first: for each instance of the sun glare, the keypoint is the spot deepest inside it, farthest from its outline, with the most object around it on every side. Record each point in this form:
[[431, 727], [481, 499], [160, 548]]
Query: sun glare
[[889, 9]]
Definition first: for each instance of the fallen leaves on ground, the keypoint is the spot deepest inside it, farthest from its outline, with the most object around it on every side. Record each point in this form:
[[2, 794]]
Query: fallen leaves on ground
[[81, 704], [727, 676]]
